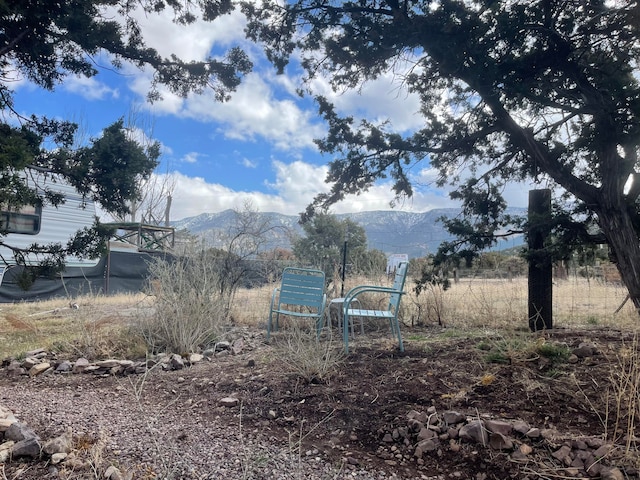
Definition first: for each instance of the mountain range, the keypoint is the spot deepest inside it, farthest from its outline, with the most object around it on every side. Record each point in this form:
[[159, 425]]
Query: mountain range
[[414, 234]]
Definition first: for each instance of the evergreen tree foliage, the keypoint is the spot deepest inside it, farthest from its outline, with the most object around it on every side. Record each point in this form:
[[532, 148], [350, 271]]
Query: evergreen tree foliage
[[46, 42], [322, 246], [510, 90]]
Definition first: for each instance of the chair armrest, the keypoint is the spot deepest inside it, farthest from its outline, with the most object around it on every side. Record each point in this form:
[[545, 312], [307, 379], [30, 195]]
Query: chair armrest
[[354, 292]]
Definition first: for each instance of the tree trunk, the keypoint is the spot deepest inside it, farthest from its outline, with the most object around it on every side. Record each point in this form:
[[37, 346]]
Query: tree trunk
[[618, 228]]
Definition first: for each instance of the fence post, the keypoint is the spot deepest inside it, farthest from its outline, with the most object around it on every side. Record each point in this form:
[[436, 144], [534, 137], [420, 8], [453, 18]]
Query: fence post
[[540, 265]]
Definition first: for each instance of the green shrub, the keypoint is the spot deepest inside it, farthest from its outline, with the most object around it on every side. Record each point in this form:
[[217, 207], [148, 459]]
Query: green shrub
[[498, 357], [555, 352]]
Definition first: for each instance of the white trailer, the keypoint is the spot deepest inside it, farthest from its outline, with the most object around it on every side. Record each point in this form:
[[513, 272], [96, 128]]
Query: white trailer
[[47, 224]]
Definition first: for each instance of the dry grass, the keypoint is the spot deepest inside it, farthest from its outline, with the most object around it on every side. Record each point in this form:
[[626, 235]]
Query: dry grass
[[100, 324], [307, 358], [497, 303], [624, 398], [90, 326]]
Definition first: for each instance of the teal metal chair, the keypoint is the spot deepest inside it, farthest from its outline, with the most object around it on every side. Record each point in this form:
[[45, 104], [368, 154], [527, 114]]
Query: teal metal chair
[[301, 294], [391, 313]]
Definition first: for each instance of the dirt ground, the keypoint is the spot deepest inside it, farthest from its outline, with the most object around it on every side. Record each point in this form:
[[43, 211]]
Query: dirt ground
[[345, 419], [373, 392]]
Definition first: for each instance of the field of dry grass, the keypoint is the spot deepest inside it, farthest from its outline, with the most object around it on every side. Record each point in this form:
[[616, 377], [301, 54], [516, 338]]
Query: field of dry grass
[[501, 303], [100, 326], [95, 326]]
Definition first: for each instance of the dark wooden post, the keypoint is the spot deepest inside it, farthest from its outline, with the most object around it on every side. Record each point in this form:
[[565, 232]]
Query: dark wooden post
[[540, 266]]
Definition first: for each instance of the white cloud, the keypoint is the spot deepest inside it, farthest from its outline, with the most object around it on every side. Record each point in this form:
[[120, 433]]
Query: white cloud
[[190, 42], [140, 80], [13, 78], [191, 157], [294, 188], [89, 88], [253, 111], [517, 193], [298, 182], [138, 135], [193, 196], [245, 162], [265, 105], [385, 98]]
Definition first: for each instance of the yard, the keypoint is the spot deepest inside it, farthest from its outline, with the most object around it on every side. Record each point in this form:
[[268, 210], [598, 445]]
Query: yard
[[294, 408]]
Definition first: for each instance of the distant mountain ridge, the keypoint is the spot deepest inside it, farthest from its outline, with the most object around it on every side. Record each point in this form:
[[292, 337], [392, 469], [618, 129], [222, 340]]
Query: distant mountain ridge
[[416, 234]]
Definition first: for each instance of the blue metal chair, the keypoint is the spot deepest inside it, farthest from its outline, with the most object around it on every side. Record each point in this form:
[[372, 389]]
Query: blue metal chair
[[391, 313], [300, 287]]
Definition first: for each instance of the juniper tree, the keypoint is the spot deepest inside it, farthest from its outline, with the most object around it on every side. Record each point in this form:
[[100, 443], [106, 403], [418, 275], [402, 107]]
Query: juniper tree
[[510, 90]]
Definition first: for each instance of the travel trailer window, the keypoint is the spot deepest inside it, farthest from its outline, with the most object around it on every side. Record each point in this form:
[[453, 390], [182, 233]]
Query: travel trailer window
[[25, 219]]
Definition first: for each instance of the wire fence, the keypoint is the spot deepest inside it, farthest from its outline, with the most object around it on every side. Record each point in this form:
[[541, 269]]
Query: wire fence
[[493, 302]]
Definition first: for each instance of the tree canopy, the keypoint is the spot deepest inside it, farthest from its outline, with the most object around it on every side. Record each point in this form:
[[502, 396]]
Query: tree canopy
[[323, 244], [45, 42], [510, 90]]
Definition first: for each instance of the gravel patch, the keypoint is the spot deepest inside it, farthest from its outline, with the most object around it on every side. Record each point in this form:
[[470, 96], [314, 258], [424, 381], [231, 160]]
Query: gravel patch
[[120, 422]]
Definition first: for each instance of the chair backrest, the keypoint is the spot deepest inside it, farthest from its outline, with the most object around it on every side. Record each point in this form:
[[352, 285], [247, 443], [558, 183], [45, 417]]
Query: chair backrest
[[398, 285], [302, 287]]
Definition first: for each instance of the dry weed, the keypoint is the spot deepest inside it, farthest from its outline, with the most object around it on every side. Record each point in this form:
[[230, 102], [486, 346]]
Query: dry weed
[[307, 358], [21, 323], [189, 311], [90, 326], [297, 439], [96, 455], [625, 397]]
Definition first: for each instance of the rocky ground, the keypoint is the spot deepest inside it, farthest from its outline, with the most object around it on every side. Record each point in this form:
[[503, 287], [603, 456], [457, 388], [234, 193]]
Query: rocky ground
[[450, 406]]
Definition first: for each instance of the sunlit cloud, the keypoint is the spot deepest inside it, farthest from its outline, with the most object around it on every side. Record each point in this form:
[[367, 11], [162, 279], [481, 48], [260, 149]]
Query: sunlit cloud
[[191, 157], [254, 111], [245, 162], [194, 41], [385, 98], [89, 88], [295, 186]]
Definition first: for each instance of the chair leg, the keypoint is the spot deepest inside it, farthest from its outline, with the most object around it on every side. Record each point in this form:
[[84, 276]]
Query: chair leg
[[339, 319], [352, 320], [269, 326], [345, 331], [397, 329], [392, 327], [326, 319]]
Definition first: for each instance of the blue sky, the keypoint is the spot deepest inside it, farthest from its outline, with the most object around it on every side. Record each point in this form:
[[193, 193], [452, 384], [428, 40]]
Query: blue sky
[[256, 148]]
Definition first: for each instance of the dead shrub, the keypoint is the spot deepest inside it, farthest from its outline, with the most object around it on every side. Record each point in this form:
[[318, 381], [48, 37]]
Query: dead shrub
[[307, 357], [189, 308], [21, 324], [624, 401]]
